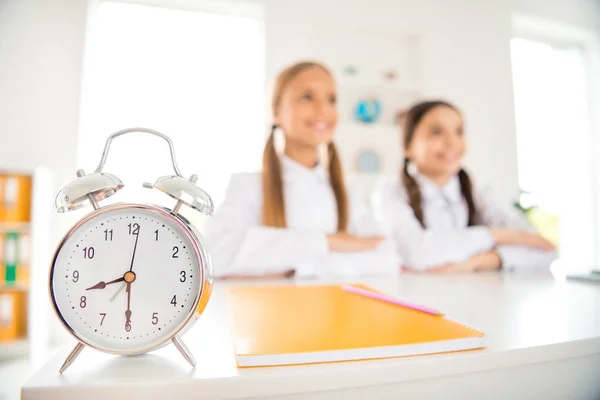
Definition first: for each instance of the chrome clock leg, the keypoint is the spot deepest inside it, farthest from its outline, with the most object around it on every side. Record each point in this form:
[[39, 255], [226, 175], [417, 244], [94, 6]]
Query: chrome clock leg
[[72, 356], [183, 349]]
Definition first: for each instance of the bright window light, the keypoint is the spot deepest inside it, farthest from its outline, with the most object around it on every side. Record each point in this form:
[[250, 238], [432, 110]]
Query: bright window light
[[555, 144], [197, 77]]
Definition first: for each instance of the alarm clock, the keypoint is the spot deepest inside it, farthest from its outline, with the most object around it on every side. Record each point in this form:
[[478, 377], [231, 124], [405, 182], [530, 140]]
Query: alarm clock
[[129, 278]]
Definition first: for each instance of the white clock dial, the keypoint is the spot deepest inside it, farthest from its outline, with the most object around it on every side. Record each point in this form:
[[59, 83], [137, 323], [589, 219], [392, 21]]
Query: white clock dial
[[127, 279]]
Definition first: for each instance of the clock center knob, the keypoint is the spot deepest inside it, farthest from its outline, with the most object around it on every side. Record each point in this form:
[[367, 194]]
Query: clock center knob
[[129, 276]]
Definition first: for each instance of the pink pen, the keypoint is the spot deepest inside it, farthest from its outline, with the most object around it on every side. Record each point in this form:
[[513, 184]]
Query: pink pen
[[388, 299]]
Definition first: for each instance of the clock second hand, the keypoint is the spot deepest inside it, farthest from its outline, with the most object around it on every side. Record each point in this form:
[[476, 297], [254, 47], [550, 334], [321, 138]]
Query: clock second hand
[[118, 291]]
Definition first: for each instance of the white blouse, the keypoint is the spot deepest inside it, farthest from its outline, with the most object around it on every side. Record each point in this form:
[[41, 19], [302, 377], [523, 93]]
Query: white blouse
[[447, 237], [239, 244]]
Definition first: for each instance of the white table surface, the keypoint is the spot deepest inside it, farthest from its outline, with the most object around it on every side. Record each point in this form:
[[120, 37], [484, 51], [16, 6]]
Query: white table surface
[[529, 319]]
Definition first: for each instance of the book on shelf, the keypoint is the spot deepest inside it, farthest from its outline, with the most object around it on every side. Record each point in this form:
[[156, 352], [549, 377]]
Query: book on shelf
[[13, 305], [15, 198]]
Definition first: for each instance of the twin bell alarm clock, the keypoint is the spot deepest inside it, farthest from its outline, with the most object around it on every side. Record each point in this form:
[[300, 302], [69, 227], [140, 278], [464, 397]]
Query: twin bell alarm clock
[[129, 278]]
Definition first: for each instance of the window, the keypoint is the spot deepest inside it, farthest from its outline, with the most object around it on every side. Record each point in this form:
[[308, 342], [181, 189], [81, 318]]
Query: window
[[197, 77], [554, 143]]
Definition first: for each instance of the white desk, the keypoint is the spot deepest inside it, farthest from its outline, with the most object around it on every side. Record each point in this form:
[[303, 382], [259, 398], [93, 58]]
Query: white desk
[[543, 335]]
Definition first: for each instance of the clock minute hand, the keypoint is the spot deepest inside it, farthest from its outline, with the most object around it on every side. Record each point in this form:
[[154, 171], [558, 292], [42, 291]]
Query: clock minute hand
[[102, 284], [134, 249], [130, 277]]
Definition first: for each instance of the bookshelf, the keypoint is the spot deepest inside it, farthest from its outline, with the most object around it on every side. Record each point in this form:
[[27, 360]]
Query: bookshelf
[[15, 259]]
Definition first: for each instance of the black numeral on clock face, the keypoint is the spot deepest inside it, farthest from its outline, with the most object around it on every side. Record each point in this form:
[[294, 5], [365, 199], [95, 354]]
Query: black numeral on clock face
[[108, 235], [134, 229], [88, 253]]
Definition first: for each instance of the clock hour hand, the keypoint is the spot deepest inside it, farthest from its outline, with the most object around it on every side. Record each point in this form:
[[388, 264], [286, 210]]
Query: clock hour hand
[[102, 284]]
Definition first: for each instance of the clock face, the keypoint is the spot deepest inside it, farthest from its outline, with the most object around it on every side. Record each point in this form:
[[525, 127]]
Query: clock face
[[127, 278]]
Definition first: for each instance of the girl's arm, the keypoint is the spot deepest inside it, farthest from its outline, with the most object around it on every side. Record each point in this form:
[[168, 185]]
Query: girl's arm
[[240, 246], [422, 249], [526, 248]]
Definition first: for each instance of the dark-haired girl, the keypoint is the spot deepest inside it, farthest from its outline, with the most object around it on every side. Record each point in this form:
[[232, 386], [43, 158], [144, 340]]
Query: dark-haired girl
[[439, 220]]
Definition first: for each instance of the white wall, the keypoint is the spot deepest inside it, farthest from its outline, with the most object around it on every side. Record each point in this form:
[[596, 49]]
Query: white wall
[[41, 49], [41, 59], [584, 14], [41, 56], [465, 58]]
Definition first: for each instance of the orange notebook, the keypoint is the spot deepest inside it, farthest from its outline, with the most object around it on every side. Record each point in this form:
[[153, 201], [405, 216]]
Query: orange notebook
[[287, 325]]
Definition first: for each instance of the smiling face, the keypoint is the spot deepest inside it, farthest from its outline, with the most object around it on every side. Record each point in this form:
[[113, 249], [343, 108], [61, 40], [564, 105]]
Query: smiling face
[[437, 146], [306, 109]]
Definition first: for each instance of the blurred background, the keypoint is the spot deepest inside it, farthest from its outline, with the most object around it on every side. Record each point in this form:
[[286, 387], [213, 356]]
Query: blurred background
[[525, 73]]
